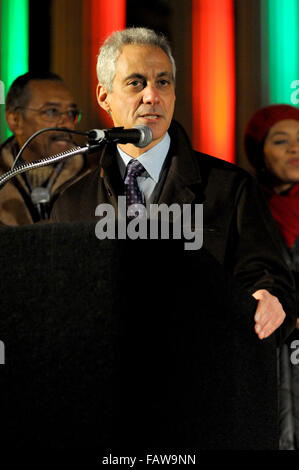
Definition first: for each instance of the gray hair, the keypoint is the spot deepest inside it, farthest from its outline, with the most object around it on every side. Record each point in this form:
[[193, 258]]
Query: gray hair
[[110, 50]]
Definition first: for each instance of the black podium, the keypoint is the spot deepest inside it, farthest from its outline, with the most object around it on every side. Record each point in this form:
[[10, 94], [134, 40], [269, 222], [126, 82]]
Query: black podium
[[122, 344]]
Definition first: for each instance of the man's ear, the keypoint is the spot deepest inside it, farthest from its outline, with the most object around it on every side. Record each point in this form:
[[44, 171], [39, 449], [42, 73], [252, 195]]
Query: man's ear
[[15, 122], [102, 95]]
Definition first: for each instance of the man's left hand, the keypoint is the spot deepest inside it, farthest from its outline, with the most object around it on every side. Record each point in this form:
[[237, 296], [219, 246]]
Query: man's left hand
[[269, 314]]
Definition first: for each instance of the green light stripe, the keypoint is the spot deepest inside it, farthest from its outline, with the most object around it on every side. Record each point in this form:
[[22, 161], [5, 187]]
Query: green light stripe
[[14, 47], [280, 49]]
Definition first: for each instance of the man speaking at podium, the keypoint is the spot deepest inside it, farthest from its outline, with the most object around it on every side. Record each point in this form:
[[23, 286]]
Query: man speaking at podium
[[136, 86]]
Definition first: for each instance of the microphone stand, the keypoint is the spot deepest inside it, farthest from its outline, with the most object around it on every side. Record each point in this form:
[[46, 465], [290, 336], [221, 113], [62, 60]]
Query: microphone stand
[[88, 148], [96, 137]]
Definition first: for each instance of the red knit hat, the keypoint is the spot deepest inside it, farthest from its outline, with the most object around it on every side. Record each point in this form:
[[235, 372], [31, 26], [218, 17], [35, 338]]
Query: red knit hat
[[258, 127]]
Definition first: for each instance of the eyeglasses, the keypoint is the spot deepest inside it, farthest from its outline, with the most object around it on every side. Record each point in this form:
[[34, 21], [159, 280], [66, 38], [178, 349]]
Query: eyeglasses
[[53, 114]]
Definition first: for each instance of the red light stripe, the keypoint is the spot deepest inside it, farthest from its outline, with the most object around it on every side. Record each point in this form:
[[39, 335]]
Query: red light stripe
[[105, 16], [213, 76]]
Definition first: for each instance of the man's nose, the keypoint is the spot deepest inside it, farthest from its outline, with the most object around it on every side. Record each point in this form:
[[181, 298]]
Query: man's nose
[[151, 95]]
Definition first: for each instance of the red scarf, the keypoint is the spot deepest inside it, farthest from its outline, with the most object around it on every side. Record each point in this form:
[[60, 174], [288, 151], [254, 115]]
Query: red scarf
[[285, 210]]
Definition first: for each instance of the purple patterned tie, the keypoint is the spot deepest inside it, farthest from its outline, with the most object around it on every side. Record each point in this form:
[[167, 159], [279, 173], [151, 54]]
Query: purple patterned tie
[[132, 191]]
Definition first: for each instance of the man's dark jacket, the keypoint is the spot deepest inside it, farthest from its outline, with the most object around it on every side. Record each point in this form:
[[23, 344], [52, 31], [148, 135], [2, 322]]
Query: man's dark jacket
[[238, 228]]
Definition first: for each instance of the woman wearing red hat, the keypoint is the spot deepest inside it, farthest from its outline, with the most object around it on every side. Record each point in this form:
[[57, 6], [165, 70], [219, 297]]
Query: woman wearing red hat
[[272, 146]]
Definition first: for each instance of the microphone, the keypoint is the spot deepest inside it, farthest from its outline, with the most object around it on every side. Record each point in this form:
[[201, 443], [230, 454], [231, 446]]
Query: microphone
[[40, 198], [141, 136]]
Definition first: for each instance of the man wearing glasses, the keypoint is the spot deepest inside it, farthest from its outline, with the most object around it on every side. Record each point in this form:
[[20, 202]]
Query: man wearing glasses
[[34, 102]]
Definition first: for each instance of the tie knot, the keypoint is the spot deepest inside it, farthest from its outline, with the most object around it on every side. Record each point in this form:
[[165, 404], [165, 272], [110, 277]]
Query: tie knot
[[134, 168]]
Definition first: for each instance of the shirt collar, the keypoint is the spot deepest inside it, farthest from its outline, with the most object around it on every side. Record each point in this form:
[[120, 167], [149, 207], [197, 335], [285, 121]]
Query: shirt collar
[[152, 160]]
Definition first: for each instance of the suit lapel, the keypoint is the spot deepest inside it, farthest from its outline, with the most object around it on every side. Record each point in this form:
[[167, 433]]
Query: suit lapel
[[182, 179], [111, 185]]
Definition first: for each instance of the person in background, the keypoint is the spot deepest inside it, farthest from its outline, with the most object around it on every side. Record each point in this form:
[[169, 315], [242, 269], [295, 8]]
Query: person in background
[[271, 143], [35, 101]]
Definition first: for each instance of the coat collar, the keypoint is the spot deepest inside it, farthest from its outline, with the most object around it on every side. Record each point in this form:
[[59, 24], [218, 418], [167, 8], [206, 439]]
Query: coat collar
[[181, 179], [8, 150], [184, 162]]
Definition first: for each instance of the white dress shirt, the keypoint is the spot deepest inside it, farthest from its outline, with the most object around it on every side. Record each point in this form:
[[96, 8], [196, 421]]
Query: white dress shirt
[[152, 161]]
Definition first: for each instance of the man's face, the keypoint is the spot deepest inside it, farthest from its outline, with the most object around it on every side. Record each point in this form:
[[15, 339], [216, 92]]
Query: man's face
[[143, 91], [45, 95]]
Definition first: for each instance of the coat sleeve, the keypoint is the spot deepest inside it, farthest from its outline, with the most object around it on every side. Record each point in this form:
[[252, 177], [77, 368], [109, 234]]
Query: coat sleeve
[[258, 256]]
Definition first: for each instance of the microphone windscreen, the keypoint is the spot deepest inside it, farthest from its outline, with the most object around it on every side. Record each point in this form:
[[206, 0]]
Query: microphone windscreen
[[146, 136], [40, 195]]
